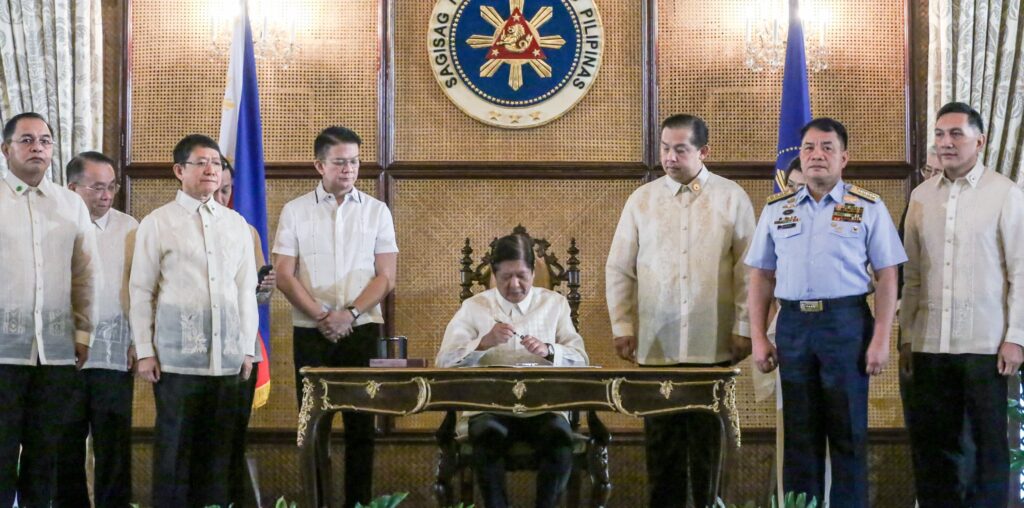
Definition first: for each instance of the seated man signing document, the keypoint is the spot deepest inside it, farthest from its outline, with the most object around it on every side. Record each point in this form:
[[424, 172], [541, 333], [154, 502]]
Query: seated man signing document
[[515, 323]]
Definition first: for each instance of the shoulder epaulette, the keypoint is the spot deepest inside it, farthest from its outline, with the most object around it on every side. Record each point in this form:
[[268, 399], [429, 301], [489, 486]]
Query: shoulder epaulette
[[864, 193], [780, 196]]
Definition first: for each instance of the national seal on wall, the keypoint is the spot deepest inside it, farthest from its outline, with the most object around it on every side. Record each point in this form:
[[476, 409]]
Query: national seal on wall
[[515, 64]]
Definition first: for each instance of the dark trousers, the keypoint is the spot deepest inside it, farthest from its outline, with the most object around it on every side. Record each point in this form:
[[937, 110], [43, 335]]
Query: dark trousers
[[33, 400], [491, 436], [682, 450], [942, 389], [313, 350], [825, 396], [965, 470], [103, 407], [195, 420], [240, 493]]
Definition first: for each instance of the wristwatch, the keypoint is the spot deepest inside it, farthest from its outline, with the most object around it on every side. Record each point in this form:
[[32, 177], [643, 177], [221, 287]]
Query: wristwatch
[[355, 312]]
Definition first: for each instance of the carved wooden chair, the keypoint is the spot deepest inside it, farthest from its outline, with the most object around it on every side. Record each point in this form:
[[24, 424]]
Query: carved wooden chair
[[590, 451]]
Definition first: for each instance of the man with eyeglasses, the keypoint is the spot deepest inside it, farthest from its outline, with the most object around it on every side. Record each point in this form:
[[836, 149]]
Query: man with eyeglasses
[[335, 256], [102, 402], [193, 316], [932, 165], [46, 308]]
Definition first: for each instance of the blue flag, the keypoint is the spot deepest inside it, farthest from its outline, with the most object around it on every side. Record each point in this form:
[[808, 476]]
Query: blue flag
[[795, 111], [241, 139]]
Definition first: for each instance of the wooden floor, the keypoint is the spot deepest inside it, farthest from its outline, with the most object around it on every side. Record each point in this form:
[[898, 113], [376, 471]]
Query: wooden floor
[[407, 465]]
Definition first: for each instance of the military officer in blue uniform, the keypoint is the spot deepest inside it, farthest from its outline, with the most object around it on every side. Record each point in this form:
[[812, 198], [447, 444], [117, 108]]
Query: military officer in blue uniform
[[815, 250]]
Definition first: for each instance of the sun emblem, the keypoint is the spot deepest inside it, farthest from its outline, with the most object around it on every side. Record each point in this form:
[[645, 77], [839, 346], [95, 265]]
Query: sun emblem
[[479, 50], [515, 42]]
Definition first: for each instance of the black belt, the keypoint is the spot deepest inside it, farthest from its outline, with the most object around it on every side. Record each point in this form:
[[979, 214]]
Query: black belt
[[823, 305]]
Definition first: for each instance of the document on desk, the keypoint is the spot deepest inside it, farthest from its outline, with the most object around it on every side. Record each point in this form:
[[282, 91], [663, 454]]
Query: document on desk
[[518, 359], [511, 358]]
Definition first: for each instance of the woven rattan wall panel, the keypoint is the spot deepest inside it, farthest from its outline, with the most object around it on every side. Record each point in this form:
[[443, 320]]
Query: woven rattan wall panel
[[701, 70], [280, 411], [177, 89], [606, 126], [433, 217]]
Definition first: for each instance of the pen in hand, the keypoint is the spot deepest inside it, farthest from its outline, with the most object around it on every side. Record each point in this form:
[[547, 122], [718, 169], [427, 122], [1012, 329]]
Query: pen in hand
[[515, 334]]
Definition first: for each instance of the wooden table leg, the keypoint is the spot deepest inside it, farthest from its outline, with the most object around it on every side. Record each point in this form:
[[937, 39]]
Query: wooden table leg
[[310, 418], [728, 417]]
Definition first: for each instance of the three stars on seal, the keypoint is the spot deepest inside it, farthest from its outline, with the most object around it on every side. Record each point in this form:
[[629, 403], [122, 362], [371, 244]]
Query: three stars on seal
[[516, 42]]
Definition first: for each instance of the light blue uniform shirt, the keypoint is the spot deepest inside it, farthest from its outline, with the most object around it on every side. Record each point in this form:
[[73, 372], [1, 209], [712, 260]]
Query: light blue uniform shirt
[[821, 250]]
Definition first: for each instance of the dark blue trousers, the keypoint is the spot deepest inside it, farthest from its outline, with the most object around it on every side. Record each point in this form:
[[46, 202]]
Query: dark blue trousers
[[825, 396]]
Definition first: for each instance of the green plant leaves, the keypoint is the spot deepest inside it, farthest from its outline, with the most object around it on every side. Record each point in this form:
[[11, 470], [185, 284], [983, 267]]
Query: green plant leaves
[[385, 501]]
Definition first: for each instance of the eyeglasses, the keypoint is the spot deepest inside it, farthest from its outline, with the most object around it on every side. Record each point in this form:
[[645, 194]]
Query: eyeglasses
[[205, 163], [100, 189], [354, 161], [928, 171], [28, 141]]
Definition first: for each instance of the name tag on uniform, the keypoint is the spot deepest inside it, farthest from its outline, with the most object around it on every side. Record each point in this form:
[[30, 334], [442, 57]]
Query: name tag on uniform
[[848, 213], [786, 222]]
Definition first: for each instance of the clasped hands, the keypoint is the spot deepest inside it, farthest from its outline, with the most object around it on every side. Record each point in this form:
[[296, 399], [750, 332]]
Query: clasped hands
[[336, 324]]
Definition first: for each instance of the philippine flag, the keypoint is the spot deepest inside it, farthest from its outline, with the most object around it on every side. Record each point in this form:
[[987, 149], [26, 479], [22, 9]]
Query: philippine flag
[[241, 139]]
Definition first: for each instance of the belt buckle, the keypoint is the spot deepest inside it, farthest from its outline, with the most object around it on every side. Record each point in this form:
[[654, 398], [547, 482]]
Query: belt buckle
[[811, 306]]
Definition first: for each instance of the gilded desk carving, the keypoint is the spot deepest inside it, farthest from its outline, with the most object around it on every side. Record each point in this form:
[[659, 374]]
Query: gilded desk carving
[[404, 391]]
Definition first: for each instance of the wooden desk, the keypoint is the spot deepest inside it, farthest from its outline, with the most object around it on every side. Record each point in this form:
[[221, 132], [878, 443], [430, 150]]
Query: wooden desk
[[636, 392]]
